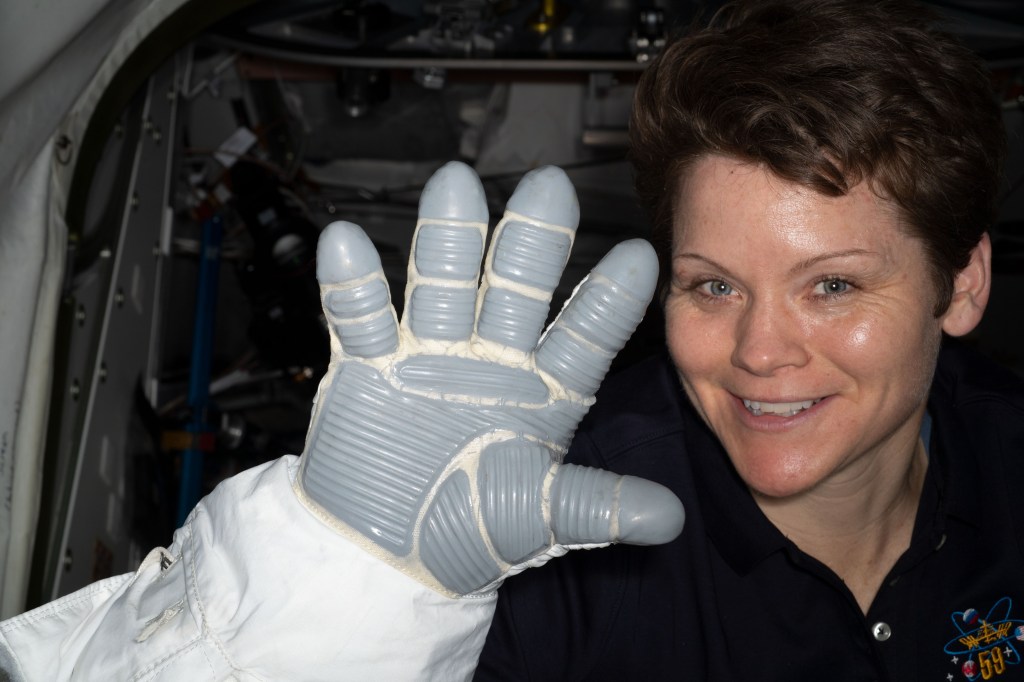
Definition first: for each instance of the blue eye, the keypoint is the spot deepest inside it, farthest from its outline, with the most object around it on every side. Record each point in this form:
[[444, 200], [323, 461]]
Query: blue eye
[[717, 287], [832, 287]]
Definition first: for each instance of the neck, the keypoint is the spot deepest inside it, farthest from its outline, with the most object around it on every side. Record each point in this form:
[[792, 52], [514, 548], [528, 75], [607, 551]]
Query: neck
[[860, 525]]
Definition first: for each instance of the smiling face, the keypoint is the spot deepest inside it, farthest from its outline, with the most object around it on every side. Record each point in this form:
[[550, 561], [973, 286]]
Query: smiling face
[[802, 326]]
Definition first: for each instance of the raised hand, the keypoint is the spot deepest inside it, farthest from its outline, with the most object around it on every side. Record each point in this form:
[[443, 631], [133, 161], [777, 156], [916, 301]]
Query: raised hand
[[435, 443]]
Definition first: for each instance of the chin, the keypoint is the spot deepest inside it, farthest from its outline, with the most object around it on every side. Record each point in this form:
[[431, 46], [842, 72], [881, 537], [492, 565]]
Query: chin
[[779, 476]]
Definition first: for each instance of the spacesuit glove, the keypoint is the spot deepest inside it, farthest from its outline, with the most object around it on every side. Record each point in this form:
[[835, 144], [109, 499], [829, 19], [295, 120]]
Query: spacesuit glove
[[436, 442]]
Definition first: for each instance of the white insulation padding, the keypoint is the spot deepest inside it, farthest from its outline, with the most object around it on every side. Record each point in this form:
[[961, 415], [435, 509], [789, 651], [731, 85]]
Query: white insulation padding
[[59, 58]]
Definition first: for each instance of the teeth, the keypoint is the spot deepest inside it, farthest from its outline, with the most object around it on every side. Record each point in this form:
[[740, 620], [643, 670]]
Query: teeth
[[781, 409]]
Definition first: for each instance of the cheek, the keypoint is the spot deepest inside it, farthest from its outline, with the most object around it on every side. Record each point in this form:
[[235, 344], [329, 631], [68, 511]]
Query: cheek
[[858, 345], [859, 337], [677, 337], [896, 352], [697, 345], [691, 354], [882, 339]]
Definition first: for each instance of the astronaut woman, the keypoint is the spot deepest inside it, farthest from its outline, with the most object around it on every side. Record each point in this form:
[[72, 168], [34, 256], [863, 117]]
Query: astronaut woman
[[822, 177]]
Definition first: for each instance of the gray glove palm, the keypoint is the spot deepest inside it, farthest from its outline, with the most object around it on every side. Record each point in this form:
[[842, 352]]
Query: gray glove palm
[[436, 443]]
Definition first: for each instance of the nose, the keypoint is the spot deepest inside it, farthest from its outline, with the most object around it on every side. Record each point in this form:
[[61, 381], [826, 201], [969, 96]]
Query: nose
[[768, 338]]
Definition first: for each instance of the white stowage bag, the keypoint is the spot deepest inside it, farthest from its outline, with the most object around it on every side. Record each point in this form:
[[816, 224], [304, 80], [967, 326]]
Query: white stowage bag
[[254, 587]]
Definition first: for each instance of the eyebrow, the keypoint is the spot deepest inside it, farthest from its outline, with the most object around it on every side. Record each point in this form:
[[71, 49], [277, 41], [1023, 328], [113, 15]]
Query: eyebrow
[[802, 265], [814, 260]]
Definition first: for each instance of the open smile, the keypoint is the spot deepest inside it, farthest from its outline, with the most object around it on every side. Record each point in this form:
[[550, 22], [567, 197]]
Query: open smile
[[788, 409]]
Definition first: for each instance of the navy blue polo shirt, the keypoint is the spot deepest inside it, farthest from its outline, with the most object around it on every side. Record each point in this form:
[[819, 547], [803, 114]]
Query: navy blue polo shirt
[[733, 599]]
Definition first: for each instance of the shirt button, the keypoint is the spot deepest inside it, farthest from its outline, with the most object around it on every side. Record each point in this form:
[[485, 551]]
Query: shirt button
[[881, 631]]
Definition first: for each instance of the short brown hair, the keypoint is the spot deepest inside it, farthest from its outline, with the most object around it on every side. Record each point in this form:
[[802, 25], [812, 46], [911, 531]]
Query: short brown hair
[[827, 93]]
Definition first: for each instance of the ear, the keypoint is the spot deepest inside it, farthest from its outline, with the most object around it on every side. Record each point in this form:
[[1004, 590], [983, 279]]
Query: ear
[[971, 288]]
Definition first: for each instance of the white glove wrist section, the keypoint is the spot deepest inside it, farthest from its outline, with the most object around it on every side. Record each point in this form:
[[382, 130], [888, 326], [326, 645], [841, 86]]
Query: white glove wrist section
[[339, 613], [252, 588]]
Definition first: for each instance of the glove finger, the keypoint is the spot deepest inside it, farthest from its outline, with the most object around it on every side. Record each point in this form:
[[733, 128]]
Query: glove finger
[[530, 249], [585, 506], [444, 269], [510, 489], [354, 292], [593, 506], [600, 317]]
